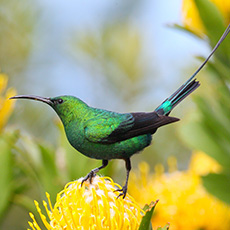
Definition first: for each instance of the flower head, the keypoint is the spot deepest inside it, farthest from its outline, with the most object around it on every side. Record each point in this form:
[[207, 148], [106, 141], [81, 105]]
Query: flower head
[[183, 201], [6, 106], [91, 206]]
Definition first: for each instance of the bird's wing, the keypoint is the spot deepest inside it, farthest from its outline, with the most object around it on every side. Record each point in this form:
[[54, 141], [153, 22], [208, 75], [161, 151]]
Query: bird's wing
[[98, 129], [110, 130]]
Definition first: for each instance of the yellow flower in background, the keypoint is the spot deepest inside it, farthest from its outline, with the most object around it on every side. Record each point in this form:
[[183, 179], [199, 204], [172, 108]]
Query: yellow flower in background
[[201, 164], [91, 206], [191, 18], [183, 201], [6, 106]]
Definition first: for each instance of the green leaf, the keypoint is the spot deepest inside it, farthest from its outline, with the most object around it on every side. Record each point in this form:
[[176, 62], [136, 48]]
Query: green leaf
[[6, 166], [185, 29], [146, 220], [221, 69], [166, 227], [218, 185], [50, 179], [215, 121], [214, 24], [48, 159], [195, 134]]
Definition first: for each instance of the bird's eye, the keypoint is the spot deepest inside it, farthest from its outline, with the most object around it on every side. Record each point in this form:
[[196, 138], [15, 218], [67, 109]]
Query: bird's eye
[[60, 101]]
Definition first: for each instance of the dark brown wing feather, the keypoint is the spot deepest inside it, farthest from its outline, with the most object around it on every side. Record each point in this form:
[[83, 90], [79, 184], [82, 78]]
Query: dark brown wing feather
[[143, 123]]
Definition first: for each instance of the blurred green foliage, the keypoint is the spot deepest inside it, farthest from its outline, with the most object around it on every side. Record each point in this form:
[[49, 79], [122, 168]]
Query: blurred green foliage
[[17, 20], [210, 130], [16, 27], [115, 51], [6, 175]]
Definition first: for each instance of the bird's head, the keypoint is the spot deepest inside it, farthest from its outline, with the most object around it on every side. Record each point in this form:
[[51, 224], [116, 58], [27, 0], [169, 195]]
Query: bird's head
[[67, 107]]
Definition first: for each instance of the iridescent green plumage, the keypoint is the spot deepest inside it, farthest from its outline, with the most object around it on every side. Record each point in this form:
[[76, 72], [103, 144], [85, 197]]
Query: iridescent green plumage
[[100, 133], [107, 135]]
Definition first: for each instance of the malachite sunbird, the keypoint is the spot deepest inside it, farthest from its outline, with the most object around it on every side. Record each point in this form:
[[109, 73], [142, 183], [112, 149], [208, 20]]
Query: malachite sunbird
[[107, 135]]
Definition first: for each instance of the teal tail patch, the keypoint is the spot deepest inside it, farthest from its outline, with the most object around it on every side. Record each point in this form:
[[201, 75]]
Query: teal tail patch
[[190, 85], [166, 107]]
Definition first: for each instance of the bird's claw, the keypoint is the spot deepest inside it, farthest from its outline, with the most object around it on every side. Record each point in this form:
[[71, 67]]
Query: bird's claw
[[89, 177], [122, 191]]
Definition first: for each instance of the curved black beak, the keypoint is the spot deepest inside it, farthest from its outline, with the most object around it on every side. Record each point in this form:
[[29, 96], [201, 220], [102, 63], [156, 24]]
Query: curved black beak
[[46, 100]]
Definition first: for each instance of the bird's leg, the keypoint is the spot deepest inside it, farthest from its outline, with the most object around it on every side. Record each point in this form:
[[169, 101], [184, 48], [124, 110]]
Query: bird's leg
[[93, 172], [123, 190]]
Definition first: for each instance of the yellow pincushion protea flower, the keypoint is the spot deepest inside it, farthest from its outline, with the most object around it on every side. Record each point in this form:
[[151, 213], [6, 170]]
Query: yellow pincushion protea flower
[[183, 201], [191, 18], [91, 206], [6, 106]]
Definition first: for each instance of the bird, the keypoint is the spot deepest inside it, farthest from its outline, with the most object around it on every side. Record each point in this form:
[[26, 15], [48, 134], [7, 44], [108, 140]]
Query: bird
[[107, 135]]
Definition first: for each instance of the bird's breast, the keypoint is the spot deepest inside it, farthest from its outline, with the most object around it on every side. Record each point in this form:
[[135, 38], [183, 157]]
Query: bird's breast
[[118, 150]]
